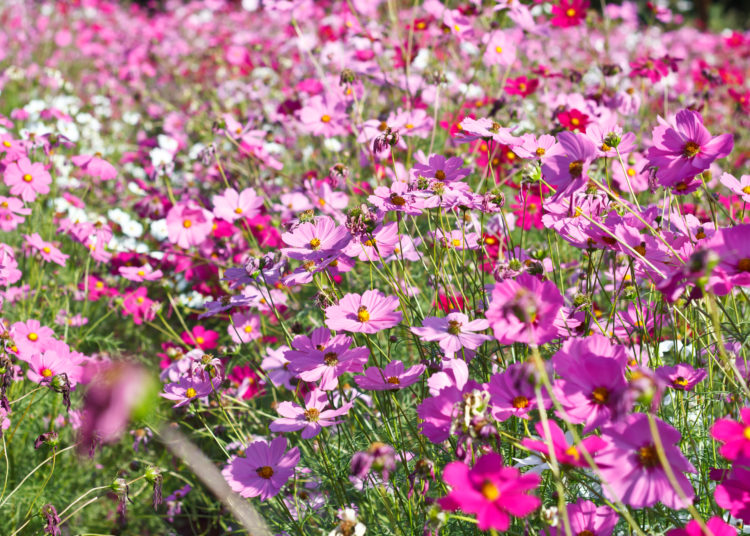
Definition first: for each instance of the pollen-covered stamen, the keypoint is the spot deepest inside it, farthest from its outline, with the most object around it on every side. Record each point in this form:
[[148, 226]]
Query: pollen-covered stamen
[[454, 327], [47, 373], [363, 314], [540, 151], [325, 118], [490, 491], [641, 249], [187, 224], [440, 175], [312, 415], [27, 178], [397, 200], [746, 433], [679, 382], [309, 266], [691, 149], [190, 393], [746, 190], [648, 457], [576, 168], [331, 359], [393, 380], [600, 395], [572, 451], [265, 472], [520, 402], [743, 265], [570, 12], [456, 242], [32, 336], [585, 533], [315, 243]]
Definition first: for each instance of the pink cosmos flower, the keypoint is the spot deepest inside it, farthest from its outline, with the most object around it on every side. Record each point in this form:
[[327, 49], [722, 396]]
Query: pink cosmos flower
[[325, 358], [739, 187], [140, 273], [232, 206], [457, 239], [453, 332], [189, 387], [682, 377], [733, 494], [369, 313], [381, 243], [734, 435], [631, 466], [263, 470], [9, 272], [244, 328], [685, 149], [188, 225], [12, 213], [545, 146], [324, 116], [311, 419], [716, 527], [569, 13], [397, 198], [95, 166], [561, 170], [592, 373], [55, 359], [500, 50], [315, 240], [276, 366], [136, 303], [732, 248], [46, 250], [391, 378], [513, 393], [524, 310], [564, 453], [441, 168], [31, 336], [489, 490], [205, 339], [587, 518], [26, 179]]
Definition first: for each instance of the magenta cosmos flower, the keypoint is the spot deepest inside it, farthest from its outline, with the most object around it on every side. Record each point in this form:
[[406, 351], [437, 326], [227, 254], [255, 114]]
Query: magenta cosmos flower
[[513, 393], [564, 453], [325, 358], [369, 313], [631, 467], [734, 435], [592, 380], [188, 225], [588, 519], [489, 490], [734, 493], [453, 332], [715, 525], [264, 469], [190, 387], [231, 206], [682, 377], [442, 168], [26, 179], [524, 310], [563, 169], [685, 149], [315, 240], [569, 13], [391, 378], [311, 419]]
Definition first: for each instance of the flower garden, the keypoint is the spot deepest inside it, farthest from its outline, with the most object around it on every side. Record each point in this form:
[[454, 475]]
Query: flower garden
[[296, 267]]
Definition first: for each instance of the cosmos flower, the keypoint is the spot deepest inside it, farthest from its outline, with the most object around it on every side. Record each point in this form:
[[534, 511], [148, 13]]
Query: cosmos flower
[[734, 435], [367, 313], [490, 491], [453, 332], [391, 378], [263, 469], [27, 180], [311, 419]]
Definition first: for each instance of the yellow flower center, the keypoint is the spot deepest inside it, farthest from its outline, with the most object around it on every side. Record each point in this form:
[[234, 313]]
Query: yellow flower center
[[331, 359], [746, 433], [573, 451], [490, 491], [32, 336], [691, 149], [440, 175], [326, 118], [522, 87], [409, 126], [248, 329], [641, 249], [456, 242], [187, 224], [46, 249], [238, 210], [499, 49], [575, 122], [362, 314], [264, 472], [600, 395], [27, 177], [7, 143], [576, 169], [570, 12], [141, 273], [648, 456], [315, 243], [312, 415], [190, 393], [679, 381], [46, 373], [393, 380], [746, 190], [200, 340], [520, 402], [139, 299], [540, 151]]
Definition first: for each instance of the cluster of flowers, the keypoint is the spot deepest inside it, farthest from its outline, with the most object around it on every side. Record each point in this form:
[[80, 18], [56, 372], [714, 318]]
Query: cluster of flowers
[[397, 270]]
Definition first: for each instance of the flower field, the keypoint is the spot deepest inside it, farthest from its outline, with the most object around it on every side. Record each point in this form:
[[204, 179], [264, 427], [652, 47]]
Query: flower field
[[296, 267]]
